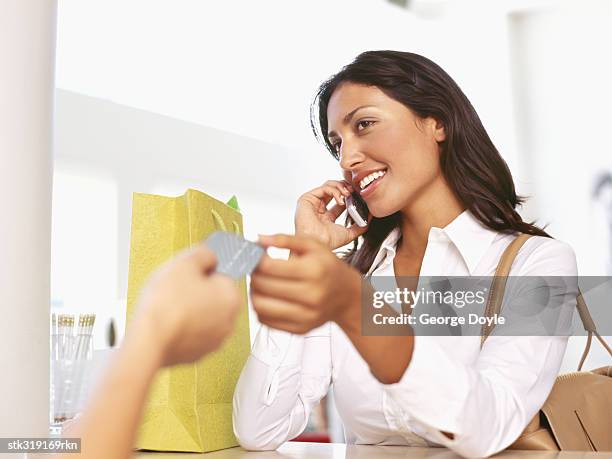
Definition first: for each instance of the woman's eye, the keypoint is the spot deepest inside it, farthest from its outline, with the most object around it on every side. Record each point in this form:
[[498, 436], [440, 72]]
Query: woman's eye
[[361, 125], [336, 146]]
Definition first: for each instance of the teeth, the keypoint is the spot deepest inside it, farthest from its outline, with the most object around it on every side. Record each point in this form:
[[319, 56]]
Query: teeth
[[370, 178]]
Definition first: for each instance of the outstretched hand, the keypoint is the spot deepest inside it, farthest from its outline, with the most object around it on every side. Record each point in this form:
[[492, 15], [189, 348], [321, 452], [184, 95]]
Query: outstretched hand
[[190, 308], [312, 287]]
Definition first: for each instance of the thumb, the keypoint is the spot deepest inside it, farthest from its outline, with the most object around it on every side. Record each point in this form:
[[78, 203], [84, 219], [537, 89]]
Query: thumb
[[204, 258], [355, 230]]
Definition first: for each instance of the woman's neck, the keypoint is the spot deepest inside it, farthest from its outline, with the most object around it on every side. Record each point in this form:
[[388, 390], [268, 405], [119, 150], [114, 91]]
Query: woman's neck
[[438, 207]]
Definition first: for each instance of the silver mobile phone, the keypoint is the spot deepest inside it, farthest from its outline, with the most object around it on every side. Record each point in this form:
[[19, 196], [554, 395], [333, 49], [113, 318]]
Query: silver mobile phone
[[357, 209]]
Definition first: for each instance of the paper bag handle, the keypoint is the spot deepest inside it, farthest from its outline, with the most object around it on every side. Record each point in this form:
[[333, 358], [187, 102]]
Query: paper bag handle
[[221, 225]]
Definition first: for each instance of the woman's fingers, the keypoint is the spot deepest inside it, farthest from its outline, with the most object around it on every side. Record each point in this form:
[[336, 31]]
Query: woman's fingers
[[283, 289], [334, 192], [335, 189], [293, 268], [298, 244], [276, 310], [339, 190], [336, 211], [339, 185]]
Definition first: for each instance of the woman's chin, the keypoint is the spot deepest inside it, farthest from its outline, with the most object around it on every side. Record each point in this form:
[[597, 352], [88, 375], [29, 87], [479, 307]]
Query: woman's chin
[[381, 213]]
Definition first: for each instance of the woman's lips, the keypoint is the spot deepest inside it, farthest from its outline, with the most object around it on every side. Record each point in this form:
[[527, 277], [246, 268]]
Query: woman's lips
[[367, 191]]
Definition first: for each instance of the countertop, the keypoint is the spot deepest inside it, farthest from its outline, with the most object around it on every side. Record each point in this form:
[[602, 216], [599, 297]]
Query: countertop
[[296, 450]]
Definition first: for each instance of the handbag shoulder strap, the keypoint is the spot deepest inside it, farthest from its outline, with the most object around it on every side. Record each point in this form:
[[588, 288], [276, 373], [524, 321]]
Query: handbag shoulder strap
[[498, 285], [589, 326], [496, 295]]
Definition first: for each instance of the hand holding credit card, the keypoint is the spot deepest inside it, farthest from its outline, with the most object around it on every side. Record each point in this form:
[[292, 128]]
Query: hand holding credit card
[[236, 257]]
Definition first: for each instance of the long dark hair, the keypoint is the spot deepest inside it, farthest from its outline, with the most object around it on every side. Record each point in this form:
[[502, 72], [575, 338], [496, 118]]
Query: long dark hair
[[471, 164]]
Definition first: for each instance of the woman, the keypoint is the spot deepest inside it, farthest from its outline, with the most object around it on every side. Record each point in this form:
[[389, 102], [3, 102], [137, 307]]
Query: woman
[[442, 202]]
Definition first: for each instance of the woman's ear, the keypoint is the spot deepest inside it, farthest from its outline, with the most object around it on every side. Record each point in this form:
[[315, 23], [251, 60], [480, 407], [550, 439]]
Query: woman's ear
[[439, 131]]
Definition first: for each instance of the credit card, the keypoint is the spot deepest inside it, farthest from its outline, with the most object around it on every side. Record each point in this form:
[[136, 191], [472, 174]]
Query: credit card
[[236, 257]]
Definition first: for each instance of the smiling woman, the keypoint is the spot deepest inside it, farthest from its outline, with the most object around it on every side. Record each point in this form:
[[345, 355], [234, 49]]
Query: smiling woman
[[442, 202], [414, 115]]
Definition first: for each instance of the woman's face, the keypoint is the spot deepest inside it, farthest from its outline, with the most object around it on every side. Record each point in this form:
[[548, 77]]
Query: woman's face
[[388, 154]]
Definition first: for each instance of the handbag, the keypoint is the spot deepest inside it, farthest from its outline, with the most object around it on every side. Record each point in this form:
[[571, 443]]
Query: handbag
[[577, 415]]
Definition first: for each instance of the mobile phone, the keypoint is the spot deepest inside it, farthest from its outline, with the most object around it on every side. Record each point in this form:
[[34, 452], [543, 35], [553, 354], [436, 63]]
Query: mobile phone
[[357, 209]]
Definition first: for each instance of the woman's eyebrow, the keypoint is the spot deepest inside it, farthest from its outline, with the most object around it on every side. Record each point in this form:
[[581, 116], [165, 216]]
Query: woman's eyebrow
[[347, 118]]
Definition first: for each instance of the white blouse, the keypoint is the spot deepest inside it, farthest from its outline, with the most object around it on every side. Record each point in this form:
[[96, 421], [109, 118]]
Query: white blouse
[[485, 397]]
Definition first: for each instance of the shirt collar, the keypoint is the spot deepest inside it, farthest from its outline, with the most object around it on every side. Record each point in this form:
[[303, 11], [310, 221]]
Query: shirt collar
[[386, 252], [471, 238]]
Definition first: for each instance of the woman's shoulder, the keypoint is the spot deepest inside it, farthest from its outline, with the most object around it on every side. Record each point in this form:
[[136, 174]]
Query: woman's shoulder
[[545, 256]]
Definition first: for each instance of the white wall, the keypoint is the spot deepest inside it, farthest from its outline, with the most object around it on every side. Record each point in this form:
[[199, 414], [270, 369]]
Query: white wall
[[561, 74], [252, 67]]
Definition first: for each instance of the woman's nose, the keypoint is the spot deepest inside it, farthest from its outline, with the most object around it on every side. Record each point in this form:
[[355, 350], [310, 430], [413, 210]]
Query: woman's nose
[[350, 156]]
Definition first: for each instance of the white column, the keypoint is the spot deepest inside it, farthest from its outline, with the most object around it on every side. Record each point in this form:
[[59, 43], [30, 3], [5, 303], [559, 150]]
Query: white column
[[27, 62]]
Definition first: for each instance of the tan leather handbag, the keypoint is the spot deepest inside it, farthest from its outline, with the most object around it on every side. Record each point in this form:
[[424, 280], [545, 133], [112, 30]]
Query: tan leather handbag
[[577, 415]]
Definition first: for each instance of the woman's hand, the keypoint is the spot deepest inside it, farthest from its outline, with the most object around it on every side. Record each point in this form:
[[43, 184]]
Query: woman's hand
[[312, 218], [187, 308], [312, 287]]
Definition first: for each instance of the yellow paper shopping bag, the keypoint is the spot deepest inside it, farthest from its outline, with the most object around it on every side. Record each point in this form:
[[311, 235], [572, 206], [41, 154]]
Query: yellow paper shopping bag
[[189, 406]]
